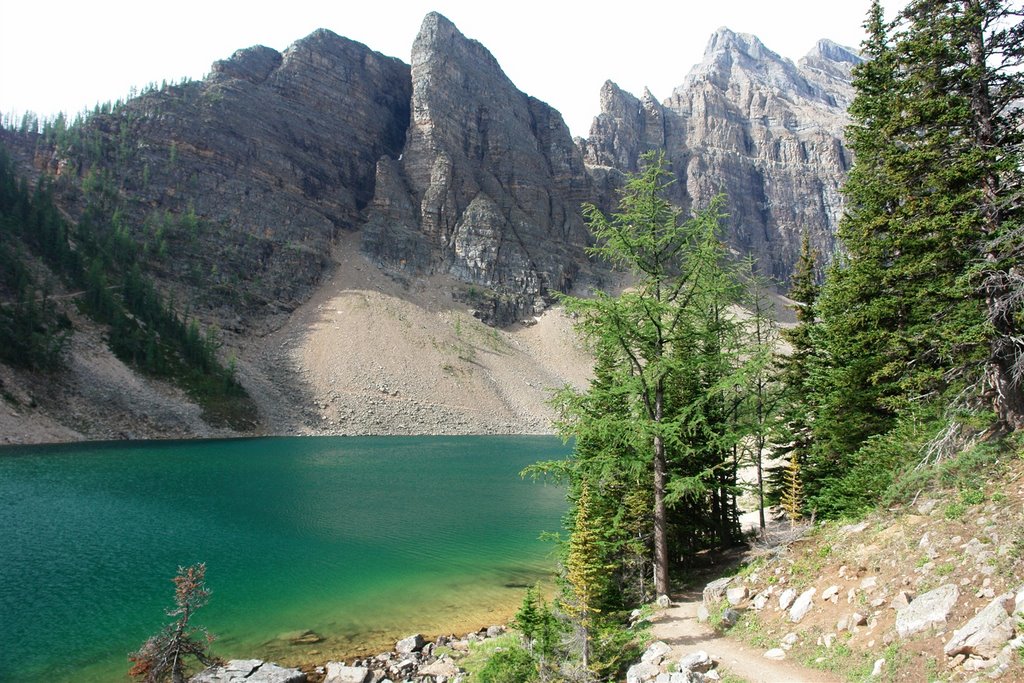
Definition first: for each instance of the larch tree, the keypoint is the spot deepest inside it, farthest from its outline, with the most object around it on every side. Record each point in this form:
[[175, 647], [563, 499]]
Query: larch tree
[[650, 336]]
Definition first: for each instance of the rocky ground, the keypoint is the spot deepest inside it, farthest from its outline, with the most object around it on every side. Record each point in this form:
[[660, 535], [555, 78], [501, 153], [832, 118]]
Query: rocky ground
[[372, 354], [367, 354], [932, 591]]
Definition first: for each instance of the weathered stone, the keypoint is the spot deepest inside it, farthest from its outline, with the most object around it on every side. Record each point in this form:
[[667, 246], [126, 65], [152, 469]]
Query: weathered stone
[[987, 633], [696, 661], [716, 590], [655, 652], [858, 619], [644, 671], [337, 672], [868, 583], [776, 653], [702, 613], [787, 598], [413, 643], [789, 640], [664, 601], [495, 631], [442, 667], [249, 671], [736, 595], [830, 592], [760, 600], [877, 669], [730, 617], [902, 600], [802, 605], [927, 610]]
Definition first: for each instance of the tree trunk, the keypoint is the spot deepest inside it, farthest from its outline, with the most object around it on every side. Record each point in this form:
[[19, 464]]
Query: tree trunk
[[1007, 397], [660, 517]]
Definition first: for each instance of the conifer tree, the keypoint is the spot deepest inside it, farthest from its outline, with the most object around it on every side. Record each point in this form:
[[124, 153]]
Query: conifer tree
[[655, 334], [585, 572]]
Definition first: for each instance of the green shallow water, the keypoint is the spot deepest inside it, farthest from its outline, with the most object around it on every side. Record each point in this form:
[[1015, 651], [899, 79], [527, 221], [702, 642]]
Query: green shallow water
[[362, 540]]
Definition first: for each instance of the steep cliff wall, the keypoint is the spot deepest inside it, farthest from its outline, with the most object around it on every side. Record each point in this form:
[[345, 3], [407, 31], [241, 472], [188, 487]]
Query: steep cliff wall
[[747, 123], [487, 187]]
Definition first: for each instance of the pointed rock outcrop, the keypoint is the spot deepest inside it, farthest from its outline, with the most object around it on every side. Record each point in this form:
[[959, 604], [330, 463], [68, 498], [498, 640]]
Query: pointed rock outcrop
[[492, 177]]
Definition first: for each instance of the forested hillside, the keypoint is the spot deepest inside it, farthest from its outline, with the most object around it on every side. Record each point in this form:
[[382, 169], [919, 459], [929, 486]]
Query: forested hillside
[[906, 357]]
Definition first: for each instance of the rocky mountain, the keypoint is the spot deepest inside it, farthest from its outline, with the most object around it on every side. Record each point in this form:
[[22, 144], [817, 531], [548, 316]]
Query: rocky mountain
[[244, 193], [752, 125], [488, 186]]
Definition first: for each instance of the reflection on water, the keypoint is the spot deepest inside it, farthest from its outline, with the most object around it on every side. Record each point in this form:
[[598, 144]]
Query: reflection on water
[[361, 540]]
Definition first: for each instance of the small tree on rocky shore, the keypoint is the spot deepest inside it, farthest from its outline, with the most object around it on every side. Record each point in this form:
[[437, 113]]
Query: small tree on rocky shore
[[162, 657]]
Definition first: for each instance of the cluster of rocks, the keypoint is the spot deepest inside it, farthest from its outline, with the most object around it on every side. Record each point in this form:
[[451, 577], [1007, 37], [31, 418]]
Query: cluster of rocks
[[414, 660], [883, 611], [654, 665]]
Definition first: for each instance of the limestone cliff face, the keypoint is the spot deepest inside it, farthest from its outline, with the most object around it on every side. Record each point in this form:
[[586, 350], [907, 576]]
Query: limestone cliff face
[[239, 184], [488, 185], [747, 123]]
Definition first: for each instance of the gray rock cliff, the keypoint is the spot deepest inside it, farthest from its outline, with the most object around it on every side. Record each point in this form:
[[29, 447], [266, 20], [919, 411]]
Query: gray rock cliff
[[487, 187], [752, 125]]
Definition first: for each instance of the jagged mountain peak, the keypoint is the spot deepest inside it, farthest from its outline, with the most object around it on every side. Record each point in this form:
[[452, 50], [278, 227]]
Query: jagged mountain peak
[[438, 35], [253, 64], [727, 40], [834, 52]]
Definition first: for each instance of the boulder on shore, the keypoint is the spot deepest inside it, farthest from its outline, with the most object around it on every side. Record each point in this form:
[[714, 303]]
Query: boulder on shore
[[413, 643], [248, 671]]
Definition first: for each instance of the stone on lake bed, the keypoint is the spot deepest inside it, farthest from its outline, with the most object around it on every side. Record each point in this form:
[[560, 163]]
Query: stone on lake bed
[[306, 637]]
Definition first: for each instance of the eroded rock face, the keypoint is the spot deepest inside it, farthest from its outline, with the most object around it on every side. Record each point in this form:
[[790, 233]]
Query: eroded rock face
[[488, 185], [747, 123], [239, 183]]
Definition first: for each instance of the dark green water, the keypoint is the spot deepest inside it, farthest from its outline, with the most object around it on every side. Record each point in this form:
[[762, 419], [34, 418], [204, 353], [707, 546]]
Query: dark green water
[[362, 540]]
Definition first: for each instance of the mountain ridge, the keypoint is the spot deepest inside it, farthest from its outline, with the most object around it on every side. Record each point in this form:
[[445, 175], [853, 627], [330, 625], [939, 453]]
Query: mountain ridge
[[238, 190]]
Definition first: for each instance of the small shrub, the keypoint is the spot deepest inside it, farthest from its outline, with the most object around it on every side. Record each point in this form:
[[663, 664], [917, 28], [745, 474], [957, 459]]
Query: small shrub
[[955, 510], [972, 496], [509, 665]]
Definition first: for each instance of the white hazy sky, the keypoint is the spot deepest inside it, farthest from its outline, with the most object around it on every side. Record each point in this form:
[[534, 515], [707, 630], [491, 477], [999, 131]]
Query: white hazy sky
[[67, 55]]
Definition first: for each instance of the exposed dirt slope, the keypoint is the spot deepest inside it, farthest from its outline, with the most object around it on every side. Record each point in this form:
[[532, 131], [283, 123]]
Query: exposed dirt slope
[[371, 355]]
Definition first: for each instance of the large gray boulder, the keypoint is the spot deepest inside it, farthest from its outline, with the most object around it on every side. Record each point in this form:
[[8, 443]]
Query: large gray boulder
[[248, 671], [928, 610], [802, 605], [642, 672], [987, 633], [337, 672], [413, 643]]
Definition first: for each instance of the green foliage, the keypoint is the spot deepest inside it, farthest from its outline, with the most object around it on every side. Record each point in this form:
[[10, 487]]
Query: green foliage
[[508, 665], [144, 330], [538, 625], [920, 316]]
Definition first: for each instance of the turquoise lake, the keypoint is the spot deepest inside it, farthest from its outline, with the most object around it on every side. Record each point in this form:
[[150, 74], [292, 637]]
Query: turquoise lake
[[360, 539]]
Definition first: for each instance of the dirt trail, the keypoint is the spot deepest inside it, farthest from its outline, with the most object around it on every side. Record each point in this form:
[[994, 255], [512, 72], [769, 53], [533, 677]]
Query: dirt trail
[[678, 627]]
